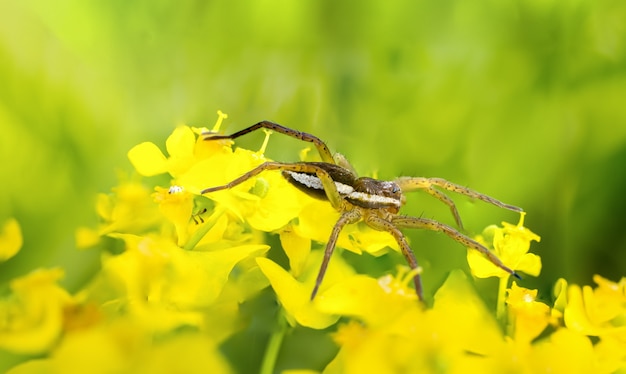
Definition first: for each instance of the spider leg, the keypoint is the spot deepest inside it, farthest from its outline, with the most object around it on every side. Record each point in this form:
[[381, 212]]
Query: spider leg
[[408, 184], [319, 144], [350, 216], [328, 184], [384, 225], [429, 224]]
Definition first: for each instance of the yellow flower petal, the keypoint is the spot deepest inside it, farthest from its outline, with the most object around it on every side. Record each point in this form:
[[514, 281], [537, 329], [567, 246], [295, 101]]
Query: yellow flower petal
[[366, 299], [184, 353], [147, 159], [295, 296], [483, 268], [297, 249], [280, 204], [86, 237], [565, 351], [529, 263], [10, 239], [180, 146], [575, 315], [463, 317]]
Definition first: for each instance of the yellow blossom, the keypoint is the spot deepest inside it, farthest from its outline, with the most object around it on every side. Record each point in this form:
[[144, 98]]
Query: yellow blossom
[[373, 301], [564, 351], [176, 204], [510, 244], [597, 312], [129, 209], [148, 159], [295, 295], [455, 336], [528, 317], [164, 286], [122, 347], [184, 149], [31, 319], [186, 286]]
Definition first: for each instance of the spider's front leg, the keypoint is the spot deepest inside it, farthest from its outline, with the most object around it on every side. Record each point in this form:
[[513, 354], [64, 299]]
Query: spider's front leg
[[319, 144], [432, 225], [408, 184], [350, 216], [328, 184]]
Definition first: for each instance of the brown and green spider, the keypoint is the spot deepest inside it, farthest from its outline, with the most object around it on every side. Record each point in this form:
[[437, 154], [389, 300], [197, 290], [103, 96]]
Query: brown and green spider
[[372, 201]]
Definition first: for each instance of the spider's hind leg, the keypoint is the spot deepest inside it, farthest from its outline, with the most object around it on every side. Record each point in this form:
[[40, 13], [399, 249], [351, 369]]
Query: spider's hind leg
[[319, 144]]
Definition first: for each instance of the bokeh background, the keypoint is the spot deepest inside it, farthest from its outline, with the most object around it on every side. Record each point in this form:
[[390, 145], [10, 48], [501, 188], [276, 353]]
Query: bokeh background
[[522, 100]]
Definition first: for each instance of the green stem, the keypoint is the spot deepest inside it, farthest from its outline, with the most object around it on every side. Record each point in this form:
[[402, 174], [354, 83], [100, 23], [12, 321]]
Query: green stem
[[274, 344], [501, 307], [203, 229]]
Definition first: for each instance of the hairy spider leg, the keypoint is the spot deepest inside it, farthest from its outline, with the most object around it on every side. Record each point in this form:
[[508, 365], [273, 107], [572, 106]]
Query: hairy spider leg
[[319, 144], [350, 216], [432, 225], [330, 188], [409, 184], [380, 224]]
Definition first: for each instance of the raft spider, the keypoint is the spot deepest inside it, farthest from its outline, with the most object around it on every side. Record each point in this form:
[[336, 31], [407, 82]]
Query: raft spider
[[373, 201]]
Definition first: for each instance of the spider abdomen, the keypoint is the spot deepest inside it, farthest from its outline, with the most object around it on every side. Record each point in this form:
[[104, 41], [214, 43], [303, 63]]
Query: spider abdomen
[[364, 192]]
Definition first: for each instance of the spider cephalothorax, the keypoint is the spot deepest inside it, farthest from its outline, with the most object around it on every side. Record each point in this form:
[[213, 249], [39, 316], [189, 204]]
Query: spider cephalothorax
[[372, 201]]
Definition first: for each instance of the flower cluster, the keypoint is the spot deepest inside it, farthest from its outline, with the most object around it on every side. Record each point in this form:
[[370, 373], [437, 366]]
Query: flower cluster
[[177, 266]]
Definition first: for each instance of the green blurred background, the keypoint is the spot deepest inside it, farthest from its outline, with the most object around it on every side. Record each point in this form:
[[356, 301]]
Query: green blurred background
[[522, 100]]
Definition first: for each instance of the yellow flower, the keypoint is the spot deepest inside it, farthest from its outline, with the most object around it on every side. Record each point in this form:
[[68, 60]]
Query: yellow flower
[[10, 239], [610, 354], [164, 286], [564, 351], [528, 317], [183, 148], [266, 202], [463, 317], [511, 244], [128, 210], [295, 295], [457, 335], [373, 301], [597, 312], [122, 347], [176, 204], [31, 319]]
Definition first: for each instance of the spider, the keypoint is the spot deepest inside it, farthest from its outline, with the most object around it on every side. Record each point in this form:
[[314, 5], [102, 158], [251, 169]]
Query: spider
[[372, 201]]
